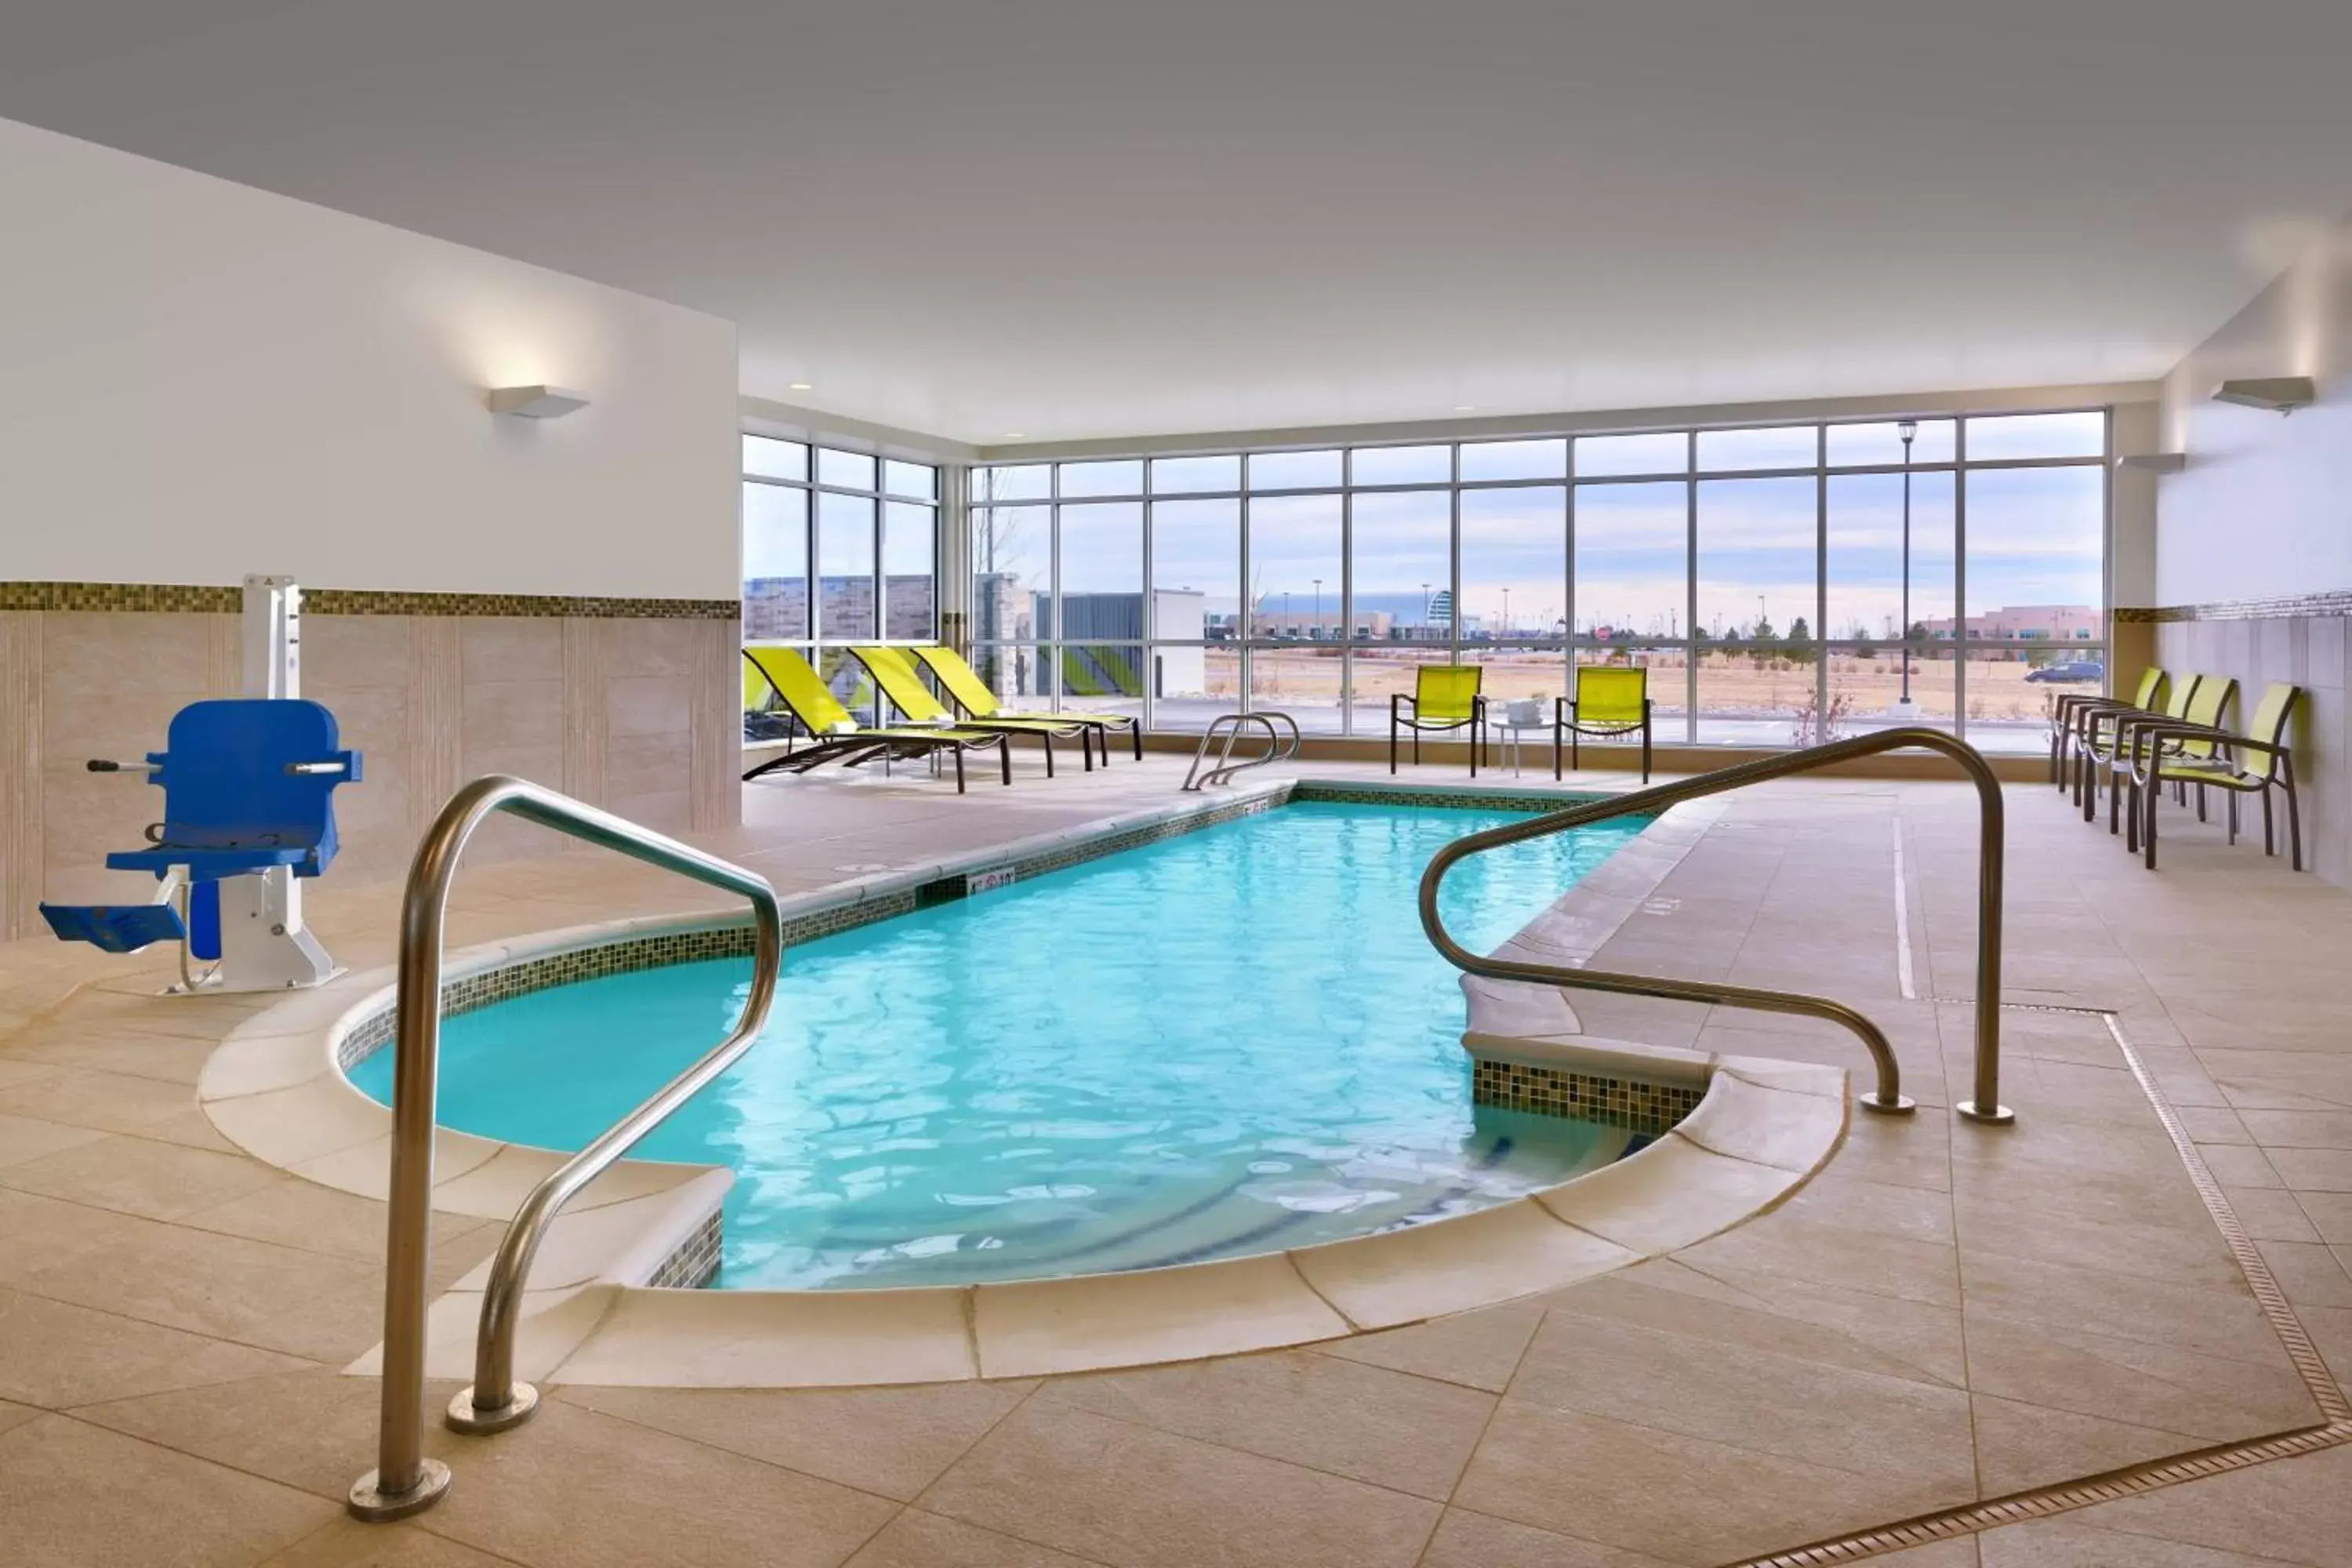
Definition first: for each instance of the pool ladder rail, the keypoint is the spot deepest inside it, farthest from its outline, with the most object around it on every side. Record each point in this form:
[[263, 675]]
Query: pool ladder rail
[[404, 1481], [1887, 1098], [1279, 746]]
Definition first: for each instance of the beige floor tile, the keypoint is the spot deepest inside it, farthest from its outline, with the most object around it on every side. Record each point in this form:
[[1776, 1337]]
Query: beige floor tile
[[16, 1415], [291, 1211], [1892, 1265], [56, 1355], [166, 1059], [673, 1503], [2068, 1543], [2271, 1213], [2213, 1321], [919, 1540], [191, 1129], [1839, 1197], [347, 1543], [1916, 1334], [2271, 1129], [1477, 1350], [2189, 1254], [1818, 1412], [1753, 1323], [2237, 1166], [1390, 1428], [2330, 1217], [109, 1101], [2020, 1446], [892, 1441], [75, 1496], [1466, 1540], [2162, 1386], [2313, 1170], [1142, 1499], [140, 1176], [2310, 1274], [1681, 1498], [23, 1138], [2293, 1511]]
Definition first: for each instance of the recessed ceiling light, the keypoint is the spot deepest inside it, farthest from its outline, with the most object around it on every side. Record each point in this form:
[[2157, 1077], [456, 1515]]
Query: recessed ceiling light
[[799, 387], [1014, 435], [1465, 408]]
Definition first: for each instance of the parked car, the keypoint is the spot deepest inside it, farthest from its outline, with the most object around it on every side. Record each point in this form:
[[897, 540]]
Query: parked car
[[2074, 669]]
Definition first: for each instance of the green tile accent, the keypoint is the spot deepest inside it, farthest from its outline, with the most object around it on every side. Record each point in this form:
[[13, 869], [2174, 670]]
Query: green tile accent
[[213, 599], [1651, 1108]]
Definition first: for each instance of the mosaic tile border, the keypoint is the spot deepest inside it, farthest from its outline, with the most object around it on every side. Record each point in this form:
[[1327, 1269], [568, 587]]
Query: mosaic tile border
[[213, 599], [2338, 602], [1652, 1108], [1470, 797], [694, 1264]]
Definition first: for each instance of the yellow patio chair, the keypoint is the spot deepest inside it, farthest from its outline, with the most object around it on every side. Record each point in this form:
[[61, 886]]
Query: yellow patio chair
[[835, 736], [1607, 702], [2098, 743], [2072, 711], [2205, 710], [1444, 696], [902, 685], [969, 692], [2207, 757]]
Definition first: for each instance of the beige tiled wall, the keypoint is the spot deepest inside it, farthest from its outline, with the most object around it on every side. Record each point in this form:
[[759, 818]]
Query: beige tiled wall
[[636, 715], [2312, 651]]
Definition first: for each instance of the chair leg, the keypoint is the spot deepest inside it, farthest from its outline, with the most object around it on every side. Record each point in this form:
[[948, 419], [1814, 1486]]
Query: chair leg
[[1474, 748], [2148, 831], [1555, 750], [2200, 803], [2131, 817], [2269, 844], [1134, 730], [1392, 728], [1049, 751], [1005, 758], [2231, 803], [959, 763], [2115, 800], [1646, 751]]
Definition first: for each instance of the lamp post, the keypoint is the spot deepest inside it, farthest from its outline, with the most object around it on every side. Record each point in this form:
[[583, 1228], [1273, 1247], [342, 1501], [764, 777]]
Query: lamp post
[[1317, 630], [1427, 620], [1904, 707], [1506, 612]]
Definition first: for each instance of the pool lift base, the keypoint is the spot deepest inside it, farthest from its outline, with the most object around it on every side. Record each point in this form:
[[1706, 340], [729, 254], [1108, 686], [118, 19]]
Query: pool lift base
[[464, 1417], [375, 1506], [1998, 1116], [1901, 1105]]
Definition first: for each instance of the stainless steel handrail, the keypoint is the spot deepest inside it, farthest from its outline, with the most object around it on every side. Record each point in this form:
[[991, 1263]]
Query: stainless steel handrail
[[1229, 725], [404, 1481], [1888, 1098]]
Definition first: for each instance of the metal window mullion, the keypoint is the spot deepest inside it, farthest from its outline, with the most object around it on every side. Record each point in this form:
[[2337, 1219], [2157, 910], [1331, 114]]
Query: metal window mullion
[[1820, 584], [1960, 580], [1347, 592], [1453, 559], [1567, 671], [1248, 608], [2108, 557], [1690, 594]]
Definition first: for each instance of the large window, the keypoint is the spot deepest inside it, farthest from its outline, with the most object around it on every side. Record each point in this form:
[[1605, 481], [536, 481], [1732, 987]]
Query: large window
[[871, 528], [1782, 584]]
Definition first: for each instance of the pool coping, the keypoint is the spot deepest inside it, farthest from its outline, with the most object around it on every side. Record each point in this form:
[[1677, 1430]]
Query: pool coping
[[603, 1305]]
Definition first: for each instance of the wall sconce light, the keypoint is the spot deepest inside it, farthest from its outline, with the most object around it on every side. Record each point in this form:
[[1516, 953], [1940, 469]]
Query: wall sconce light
[[536, 401], [2154, 462], [2276, 394]]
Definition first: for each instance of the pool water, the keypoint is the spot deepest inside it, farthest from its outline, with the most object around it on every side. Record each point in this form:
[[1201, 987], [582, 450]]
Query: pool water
[[1231, 1042]]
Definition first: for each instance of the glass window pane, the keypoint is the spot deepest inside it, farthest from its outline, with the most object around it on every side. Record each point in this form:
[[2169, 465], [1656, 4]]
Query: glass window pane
[[1027, 481], [1120, 479], [1191, 685], [853, 470], [1866, 445], [1632, 562], [1102, 571], [1300, 678], [1016, 674], [1401, 465], [1867, 583], [917, 480], [2035, 587], [1514, 564], [1102, 678], [1521, 674], [1403, 568], [1757, 560], [2038, 436], [844, 564], [775, 564], [1294, 542], [1377, 674], [1788, 447], [1179, 476], [909, 571], [1515, 459], [1011, 554], [774, 460], [1196, 568], [1667, 452], [1293, 470]]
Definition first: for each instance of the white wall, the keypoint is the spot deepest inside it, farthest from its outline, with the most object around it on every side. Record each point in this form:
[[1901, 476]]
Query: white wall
[[198, 380], [2264, 507]]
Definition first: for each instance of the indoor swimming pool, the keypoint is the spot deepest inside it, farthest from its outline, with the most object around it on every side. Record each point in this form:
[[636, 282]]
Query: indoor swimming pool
[[1233, 1041]]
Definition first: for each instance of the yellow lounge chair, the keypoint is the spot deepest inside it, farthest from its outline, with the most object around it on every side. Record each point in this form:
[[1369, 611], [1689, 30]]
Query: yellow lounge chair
[[2072, 713], [1444, 696], [1607, 702], [969, 692], [2207, 707], [2098, 743], [902, 684], [838, 737], [2206, 757]]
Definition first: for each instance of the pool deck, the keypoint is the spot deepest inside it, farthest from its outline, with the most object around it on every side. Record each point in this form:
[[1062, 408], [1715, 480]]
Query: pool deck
[[1947, 1313]]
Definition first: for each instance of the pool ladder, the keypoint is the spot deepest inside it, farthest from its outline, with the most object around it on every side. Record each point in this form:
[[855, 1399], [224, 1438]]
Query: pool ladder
[[1278, 747], [404, 1481], [1887, 1098]]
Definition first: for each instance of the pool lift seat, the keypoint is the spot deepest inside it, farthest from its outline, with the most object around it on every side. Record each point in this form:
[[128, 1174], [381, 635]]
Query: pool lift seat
[[249, 806]]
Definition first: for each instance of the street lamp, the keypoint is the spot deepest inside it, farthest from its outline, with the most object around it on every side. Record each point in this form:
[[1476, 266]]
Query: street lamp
[[1506, 612], [1317, 630], [1904, 707], [1426, 619]]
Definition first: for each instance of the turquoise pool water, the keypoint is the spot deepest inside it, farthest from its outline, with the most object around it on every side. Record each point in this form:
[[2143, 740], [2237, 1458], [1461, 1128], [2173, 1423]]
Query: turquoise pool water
[[1231, 1042]]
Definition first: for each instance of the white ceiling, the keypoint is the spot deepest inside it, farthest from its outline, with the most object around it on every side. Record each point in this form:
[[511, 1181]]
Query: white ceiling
[[1075, 218]]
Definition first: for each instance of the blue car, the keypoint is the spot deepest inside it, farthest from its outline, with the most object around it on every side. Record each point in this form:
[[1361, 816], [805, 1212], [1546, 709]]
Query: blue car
[[2073, 670]]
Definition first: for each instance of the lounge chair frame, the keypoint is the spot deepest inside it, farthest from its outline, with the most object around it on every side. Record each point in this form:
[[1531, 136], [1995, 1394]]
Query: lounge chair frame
[[859, 746], [1475, 720], [891, 683], [1565, 721], [934, 657]]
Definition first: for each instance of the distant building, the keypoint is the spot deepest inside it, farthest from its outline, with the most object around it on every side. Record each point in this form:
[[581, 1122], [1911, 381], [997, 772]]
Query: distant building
[[2025, 622]]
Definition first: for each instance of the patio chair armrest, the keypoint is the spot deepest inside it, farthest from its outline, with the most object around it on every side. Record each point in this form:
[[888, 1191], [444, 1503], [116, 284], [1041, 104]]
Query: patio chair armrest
[[1396, 700]]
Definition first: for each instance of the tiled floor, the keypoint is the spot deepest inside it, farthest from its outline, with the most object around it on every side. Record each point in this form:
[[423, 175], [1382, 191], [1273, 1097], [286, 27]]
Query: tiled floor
[[1950, 1312]]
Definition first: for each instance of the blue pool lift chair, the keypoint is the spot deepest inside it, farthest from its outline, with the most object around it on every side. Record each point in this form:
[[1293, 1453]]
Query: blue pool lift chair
[[248, 792]]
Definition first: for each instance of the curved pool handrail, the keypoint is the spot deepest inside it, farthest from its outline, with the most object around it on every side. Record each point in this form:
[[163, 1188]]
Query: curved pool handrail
[[1888, 1098], [1229, 725], [404, 1481]]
